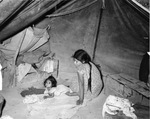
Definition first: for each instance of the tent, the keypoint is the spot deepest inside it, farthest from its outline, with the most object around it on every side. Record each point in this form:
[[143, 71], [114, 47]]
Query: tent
[[115, 35]]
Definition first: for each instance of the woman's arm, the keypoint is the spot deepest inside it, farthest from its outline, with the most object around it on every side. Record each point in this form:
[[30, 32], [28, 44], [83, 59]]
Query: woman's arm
[[81, 88], [80, 93]]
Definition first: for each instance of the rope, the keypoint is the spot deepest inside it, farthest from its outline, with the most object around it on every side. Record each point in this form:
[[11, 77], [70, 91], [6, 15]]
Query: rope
[[97, 30]]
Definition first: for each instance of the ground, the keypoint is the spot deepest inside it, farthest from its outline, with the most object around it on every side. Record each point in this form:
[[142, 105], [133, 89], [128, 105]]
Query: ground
[[17, 110]]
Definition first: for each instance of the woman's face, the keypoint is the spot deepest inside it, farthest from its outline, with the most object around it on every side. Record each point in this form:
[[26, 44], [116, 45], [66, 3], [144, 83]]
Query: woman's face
[[48, 84], [77, 62]]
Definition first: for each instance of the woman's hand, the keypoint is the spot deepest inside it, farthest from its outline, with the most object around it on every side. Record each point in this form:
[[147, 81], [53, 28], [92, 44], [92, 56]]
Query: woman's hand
[[79, 102]]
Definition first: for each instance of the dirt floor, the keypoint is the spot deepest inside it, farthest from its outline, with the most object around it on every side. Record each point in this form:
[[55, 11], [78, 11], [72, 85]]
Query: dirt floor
[[16, 109]]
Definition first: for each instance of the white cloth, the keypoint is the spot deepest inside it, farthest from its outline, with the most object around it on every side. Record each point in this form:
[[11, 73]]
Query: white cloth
[[33, 39], [31, 99], [48, 66], [114, 104], [22, 70], [60, 89], [60, 106], [6, 117]]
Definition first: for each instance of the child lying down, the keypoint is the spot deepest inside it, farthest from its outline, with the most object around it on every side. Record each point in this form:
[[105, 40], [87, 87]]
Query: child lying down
[[52, 89], [53, 104]]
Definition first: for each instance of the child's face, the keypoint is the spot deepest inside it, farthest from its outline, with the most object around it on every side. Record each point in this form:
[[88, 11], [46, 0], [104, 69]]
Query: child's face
[[48, 84]]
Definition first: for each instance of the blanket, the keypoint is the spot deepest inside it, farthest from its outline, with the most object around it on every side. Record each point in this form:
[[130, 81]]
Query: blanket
[[59, 107]]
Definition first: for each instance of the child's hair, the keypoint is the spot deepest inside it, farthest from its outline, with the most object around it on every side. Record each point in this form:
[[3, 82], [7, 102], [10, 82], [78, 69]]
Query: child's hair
[[53, 81], [84, 57]]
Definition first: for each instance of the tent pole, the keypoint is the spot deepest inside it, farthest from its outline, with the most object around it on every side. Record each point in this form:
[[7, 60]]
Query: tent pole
[[98, 28]]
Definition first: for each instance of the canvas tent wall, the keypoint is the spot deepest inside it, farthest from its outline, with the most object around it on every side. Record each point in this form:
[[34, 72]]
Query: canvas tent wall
[[123, 37]]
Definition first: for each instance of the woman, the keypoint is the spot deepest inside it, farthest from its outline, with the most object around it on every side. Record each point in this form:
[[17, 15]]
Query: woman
[[89, 77]]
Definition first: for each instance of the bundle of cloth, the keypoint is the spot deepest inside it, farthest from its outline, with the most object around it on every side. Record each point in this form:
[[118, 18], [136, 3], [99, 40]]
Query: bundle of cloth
[[114, 104], [6, 117]]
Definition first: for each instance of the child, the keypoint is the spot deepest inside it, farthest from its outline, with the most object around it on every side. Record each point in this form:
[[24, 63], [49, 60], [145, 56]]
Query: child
[[52, 89], [50, 83]]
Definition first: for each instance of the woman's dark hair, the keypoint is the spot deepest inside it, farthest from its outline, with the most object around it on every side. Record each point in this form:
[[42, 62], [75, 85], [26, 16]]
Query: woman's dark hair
[[84, 57], [52, 79]]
